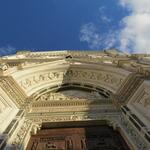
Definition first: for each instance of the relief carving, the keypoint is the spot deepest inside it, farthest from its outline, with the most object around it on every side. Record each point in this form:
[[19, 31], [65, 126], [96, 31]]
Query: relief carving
[[53, 97], [70, 96], [36, 79], [73, 117], [18, 139], [13, 92], [72, 74], [133, 134]]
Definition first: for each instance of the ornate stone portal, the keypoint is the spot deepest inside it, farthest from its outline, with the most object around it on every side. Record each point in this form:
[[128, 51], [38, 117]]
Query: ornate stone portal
[[72, 87]]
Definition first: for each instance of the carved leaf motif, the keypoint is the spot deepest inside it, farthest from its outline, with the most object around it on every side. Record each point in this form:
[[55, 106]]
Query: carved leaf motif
[[77, 75]]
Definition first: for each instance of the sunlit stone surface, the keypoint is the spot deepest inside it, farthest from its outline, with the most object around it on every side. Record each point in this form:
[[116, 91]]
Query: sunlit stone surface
[[75, 89]]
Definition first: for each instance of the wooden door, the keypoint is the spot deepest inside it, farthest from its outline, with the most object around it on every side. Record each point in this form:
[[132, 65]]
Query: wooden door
[[85, 138]]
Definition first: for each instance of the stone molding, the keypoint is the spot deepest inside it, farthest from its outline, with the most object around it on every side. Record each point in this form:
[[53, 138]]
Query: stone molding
[[134, 135], [20, 137], [12, 89], [131, 63], [27, 76]]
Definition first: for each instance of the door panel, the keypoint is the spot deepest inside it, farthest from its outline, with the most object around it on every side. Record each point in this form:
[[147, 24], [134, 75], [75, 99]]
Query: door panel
[[84, 138]]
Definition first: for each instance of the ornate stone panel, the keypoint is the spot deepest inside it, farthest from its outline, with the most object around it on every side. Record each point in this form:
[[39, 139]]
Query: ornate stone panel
[[140, 102], [21, 136], [138, 141], [107, 80], [12, 89], [27, 77]]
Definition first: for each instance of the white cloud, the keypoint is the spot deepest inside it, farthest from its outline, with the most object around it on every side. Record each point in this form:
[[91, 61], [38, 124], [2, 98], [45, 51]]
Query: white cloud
[[102, 9], [105, 19], [135, 34], [7, 50], [137, 6], [89, 33], [110, 39]]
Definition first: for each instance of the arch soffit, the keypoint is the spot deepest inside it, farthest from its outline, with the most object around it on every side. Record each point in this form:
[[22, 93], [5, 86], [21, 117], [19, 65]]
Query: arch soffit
[[41, 76], [73, 86]]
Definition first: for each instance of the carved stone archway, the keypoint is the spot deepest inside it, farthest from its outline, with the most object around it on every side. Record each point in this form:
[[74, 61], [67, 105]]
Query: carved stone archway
[[34, 89]]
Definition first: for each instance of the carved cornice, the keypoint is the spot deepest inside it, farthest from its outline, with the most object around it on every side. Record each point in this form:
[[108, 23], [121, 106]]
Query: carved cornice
[[109, 57]]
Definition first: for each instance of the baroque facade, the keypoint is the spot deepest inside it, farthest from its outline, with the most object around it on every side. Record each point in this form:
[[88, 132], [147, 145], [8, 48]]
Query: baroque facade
[[74, 86]]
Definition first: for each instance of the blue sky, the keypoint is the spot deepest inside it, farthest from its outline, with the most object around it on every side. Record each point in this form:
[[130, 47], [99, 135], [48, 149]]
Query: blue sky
[[77, 25]]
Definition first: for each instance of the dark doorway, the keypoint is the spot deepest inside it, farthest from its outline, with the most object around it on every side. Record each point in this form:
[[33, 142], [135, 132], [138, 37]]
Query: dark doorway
[[100, 137]]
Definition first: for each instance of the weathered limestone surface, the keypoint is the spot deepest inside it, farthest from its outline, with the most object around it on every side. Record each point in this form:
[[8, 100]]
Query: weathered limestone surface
[[60, 86]]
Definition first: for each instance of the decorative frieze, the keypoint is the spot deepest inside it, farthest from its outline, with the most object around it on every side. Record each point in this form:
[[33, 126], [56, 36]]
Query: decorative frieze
[[22, 132], [60, 96], [73, 117], [110, 79]]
